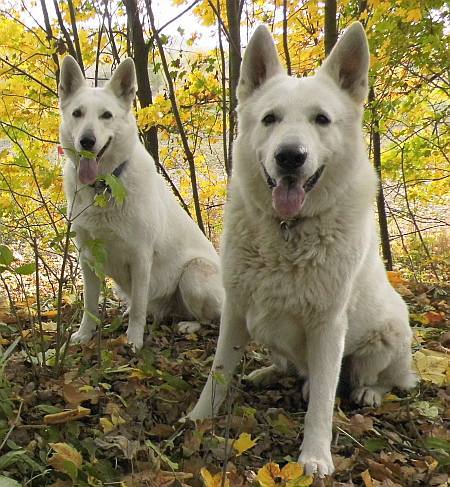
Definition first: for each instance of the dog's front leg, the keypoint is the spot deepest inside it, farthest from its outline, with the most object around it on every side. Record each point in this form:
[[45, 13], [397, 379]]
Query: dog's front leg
[[140, 282], [233, 337], [325, 346], [91, 294]]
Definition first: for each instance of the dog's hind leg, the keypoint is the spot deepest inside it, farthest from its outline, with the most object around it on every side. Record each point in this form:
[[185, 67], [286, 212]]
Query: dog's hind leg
[[233, 337], [201, 289], [384, 362]]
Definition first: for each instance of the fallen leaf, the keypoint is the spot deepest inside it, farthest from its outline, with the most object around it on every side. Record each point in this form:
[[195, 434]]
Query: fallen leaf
[[75, 395], [106, 425], [66, 459], [395, 278], [292, 474], [359, 424], [243, 443], [367, 479], [433, 366], [211, 480], [66, 416]]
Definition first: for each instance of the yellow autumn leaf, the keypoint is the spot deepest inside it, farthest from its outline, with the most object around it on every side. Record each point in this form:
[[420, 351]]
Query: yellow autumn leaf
[[414, 15], [395, 277], [65, 459], [243, 443], [211, 480], [432, 366], [368, 482], [268, 474], [292, 474], [106, 425]]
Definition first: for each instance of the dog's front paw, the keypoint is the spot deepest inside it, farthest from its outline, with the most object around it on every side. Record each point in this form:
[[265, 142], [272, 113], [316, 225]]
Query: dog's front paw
[[80, 337], [135, 338], [317, 463], [367, 396]]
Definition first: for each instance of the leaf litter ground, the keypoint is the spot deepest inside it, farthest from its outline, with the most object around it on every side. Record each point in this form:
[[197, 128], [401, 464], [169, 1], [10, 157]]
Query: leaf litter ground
[[112, 417]]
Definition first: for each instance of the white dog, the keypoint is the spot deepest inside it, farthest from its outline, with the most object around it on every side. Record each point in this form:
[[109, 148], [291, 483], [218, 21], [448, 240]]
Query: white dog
[[155, 252], [300, 260]]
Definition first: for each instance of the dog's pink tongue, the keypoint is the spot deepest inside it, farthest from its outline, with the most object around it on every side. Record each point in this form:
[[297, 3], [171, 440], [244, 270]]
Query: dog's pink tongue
[[87, 171], [287, 198]]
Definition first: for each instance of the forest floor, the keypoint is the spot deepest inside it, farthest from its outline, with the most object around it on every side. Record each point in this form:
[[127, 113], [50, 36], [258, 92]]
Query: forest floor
[[111, 417]]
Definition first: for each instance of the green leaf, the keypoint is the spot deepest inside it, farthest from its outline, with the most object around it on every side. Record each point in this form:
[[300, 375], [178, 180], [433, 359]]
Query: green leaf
[[375, 444], [6, 256], [49, 409], [7, 482], [437, 444], [101, 200], [26, 269], [11, 458], [176, 382], [118, 190], [87, 154], [163, 457]]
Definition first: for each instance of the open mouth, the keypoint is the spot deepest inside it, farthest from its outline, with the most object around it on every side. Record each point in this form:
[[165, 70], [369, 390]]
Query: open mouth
[[103, 149], [288, 194], [88, 166], [311, 182]]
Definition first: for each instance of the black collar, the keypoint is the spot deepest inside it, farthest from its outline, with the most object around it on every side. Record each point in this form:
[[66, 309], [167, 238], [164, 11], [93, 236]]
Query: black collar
[[100, 185]]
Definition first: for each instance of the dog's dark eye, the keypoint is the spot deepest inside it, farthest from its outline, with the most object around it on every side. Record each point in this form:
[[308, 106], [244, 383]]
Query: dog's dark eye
[[322, 119], [269, 119], [106, 115], [77, 113]]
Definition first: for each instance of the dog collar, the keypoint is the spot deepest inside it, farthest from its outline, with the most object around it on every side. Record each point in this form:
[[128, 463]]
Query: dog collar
[[100, 185]]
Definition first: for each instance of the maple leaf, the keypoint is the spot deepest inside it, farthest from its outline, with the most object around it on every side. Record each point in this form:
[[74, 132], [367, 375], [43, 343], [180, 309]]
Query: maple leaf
[[243, 443]]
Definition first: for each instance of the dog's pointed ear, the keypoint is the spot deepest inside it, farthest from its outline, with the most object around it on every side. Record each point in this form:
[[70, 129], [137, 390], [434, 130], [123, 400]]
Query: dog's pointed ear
[[123, 81], [348, 63], [71, 78], [260, 63]]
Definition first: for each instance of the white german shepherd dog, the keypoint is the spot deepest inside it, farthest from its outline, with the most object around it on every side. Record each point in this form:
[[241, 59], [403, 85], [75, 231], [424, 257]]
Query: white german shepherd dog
[[300, 260], [156, 254]]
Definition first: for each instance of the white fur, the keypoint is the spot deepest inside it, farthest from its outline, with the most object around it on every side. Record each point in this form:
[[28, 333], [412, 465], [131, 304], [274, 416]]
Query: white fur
[[326, 287], [155, 252]]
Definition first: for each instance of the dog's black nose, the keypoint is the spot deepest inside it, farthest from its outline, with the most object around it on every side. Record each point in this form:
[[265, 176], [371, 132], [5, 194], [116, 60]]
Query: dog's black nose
[[291, 157], [87, 142]]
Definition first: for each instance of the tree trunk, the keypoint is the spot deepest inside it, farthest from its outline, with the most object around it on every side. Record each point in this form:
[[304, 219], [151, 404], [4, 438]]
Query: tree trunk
[[382, 219], [234, 11], [285, 39], [140, 57], [330, 33], [187, 150], [48, 29]]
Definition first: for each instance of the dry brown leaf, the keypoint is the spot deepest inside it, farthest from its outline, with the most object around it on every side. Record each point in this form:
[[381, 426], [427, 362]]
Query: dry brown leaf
[[74, 396], [359, 424]]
